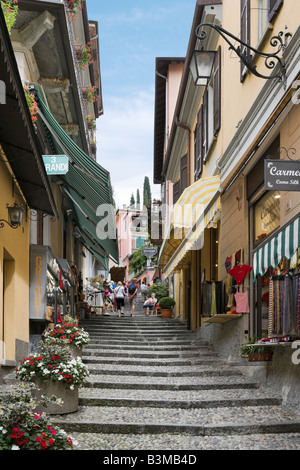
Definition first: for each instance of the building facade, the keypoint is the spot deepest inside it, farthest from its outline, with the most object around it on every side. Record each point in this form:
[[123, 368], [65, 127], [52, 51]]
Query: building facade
[[66, 241], [232, 240]]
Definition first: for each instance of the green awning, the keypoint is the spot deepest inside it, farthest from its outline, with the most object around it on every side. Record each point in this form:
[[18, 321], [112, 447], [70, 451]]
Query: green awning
[[87, 184], [282, 244], [91, 224]]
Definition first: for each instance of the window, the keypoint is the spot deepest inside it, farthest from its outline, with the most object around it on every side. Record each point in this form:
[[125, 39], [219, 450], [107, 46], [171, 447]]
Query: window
[[208, 118], [245, 32], [273, 8], [262, 17], [182, 183]]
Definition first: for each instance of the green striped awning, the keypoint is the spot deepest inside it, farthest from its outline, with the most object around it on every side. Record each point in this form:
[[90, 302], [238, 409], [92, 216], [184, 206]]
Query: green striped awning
[[87, 185], [282, 244]]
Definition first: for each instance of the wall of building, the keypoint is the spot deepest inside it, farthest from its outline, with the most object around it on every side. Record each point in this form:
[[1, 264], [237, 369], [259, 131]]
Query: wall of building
[[14, 275]]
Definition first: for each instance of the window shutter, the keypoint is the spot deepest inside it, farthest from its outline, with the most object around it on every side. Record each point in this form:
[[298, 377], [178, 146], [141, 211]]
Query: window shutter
[[176, 192], [217, 92], [205, 125], [200, 143], [196, 150], [273, 8], [183, 173], [198, 146], [245, 31]]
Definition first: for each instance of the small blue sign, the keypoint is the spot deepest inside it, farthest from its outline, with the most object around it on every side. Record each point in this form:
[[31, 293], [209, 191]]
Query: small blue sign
[[56, 164]]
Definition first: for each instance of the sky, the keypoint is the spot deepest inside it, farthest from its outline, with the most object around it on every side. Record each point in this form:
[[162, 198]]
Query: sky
[[132, 34]]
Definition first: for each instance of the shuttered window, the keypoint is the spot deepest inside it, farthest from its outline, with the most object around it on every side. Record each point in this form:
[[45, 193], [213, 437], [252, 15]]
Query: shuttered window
[[217, 92], [245, 32], [183, 173], [273, 8], [198, 145], [205, 125], [176, 192]]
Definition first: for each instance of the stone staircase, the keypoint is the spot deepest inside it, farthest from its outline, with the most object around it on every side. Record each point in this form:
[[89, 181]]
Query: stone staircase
[[150, 375]]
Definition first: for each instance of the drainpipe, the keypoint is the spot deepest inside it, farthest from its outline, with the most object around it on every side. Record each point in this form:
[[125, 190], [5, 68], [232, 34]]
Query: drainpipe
[[186, 128]]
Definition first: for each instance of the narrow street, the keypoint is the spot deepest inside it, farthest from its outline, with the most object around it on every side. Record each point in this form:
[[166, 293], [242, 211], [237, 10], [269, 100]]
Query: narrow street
[[154, 386]]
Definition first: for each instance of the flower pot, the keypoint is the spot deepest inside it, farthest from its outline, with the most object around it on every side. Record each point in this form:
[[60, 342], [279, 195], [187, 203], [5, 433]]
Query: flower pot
[[166, 312], [266, 356], [60, 390]]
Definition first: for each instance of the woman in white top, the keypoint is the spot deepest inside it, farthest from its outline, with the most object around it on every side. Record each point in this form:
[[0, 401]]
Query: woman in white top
[[120, 297]]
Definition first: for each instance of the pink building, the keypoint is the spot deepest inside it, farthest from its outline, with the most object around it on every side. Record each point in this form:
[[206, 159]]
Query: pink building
[[132, 230]]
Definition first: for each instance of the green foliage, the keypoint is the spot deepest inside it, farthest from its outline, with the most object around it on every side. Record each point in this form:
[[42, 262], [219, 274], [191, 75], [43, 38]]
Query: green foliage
[[137, 261], [10, 11], [160, 290], [248, 347], [21, 428], [147, 193], [167, 302]]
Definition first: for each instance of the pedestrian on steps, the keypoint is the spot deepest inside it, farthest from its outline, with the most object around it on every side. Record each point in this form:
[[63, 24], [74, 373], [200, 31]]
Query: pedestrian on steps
[[149, 305], [144, 291], [120, 298], [132, 295]]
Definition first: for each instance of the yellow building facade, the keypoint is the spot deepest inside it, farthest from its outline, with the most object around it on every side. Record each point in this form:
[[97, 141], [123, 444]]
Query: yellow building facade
[[228, 128]]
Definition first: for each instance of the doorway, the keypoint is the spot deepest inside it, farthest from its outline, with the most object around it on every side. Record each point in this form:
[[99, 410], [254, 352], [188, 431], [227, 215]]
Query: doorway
[[8, 308]]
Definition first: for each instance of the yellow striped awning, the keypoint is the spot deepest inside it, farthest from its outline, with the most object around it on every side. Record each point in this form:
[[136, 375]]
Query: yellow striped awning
[[194, 199], [188, 222]]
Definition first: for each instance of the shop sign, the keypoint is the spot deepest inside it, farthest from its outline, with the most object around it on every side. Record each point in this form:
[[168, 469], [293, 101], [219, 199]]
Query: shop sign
[[149, 251], [56, 164], [282, 175]]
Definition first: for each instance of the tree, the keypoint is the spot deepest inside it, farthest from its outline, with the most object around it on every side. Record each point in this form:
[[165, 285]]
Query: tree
[[147, 193], [132, 201], [138, 199]]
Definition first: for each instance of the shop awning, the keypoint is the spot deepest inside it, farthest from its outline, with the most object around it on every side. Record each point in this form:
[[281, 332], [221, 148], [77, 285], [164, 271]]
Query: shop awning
[[198, 207], [87, 184], [281, 244], [191, 204], [96, 239]]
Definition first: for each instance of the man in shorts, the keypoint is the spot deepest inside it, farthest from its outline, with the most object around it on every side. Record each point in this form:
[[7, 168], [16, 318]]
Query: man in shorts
[[132, 295]]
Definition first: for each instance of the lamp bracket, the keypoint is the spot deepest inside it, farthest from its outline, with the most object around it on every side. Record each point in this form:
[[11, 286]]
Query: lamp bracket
[[14, 226], [242, 51]]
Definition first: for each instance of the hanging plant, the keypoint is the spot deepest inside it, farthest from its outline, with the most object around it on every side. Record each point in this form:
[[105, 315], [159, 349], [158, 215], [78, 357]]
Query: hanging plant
[[85, 56], [73, 7], [91, 94], [91, 121], [10, 10], [32, 104]]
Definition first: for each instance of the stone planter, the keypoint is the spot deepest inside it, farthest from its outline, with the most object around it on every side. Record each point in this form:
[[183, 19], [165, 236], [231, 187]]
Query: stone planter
[[60, 390], [75, 351]]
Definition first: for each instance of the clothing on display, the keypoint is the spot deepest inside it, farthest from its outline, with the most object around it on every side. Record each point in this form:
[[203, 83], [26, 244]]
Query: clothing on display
[[242, 302], [284, 305], [212, 302], [240, 272]]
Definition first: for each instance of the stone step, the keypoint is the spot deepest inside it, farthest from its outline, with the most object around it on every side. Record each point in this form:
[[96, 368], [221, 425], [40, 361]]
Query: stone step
[[150, 371], [147, 354], [170, 383], [170, 399], [147, 362], [145, 347], [195, 421]]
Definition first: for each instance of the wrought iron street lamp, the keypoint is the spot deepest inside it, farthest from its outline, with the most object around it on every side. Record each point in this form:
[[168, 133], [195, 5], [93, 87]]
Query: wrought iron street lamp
[[202, 61], [15, 216]]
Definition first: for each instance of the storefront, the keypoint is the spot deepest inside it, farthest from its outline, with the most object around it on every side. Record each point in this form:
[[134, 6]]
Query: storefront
[[276, 269], [52, 284]]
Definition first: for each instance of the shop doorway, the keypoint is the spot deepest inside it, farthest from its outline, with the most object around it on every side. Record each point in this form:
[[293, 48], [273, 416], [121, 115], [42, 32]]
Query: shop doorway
[[8, 300]]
